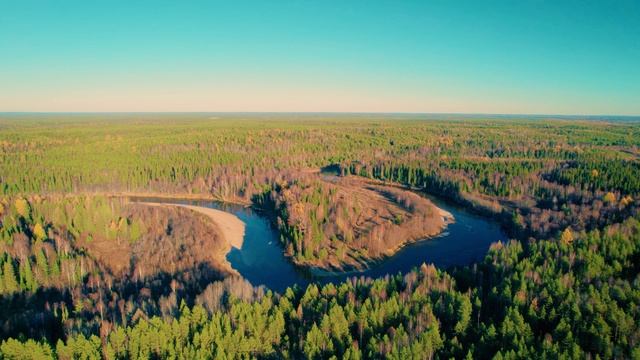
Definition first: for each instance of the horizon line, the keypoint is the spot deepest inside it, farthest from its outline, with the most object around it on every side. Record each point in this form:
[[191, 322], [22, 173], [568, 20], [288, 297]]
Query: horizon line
[[322, 112]]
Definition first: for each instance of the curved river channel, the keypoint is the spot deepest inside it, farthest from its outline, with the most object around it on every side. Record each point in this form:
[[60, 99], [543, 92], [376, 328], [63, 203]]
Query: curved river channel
[[262, 262]]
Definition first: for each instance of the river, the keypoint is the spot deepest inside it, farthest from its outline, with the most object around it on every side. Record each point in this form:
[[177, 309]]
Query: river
[[262, 262]]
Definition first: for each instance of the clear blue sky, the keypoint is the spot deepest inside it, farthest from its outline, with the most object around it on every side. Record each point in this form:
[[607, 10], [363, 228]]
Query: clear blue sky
[[552, 57]]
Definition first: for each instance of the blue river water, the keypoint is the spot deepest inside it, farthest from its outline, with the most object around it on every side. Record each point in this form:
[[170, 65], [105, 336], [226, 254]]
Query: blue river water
[[262, 262]]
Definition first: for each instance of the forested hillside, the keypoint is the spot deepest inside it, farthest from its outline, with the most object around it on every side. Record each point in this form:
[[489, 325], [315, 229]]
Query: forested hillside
[[83, 272]]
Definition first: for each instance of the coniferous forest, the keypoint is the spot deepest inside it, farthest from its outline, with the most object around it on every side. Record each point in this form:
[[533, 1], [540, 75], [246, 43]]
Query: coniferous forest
[[87, 273]]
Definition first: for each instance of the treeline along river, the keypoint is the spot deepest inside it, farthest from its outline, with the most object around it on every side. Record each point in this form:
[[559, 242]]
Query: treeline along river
[[262, 262]]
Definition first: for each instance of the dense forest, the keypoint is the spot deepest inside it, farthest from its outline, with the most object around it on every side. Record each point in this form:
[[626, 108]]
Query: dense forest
[[85, 273], [562, 298]]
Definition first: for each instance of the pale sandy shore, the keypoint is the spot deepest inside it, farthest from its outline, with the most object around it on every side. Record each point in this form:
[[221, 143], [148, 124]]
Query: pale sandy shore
[[231, 226], [447, 217]]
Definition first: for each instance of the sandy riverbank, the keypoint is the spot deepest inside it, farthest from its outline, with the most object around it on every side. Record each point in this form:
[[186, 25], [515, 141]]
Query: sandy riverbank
[[231, 226], [447, 217]]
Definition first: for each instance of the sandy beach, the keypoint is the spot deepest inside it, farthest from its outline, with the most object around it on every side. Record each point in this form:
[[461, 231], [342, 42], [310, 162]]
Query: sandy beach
[[231, 226]]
